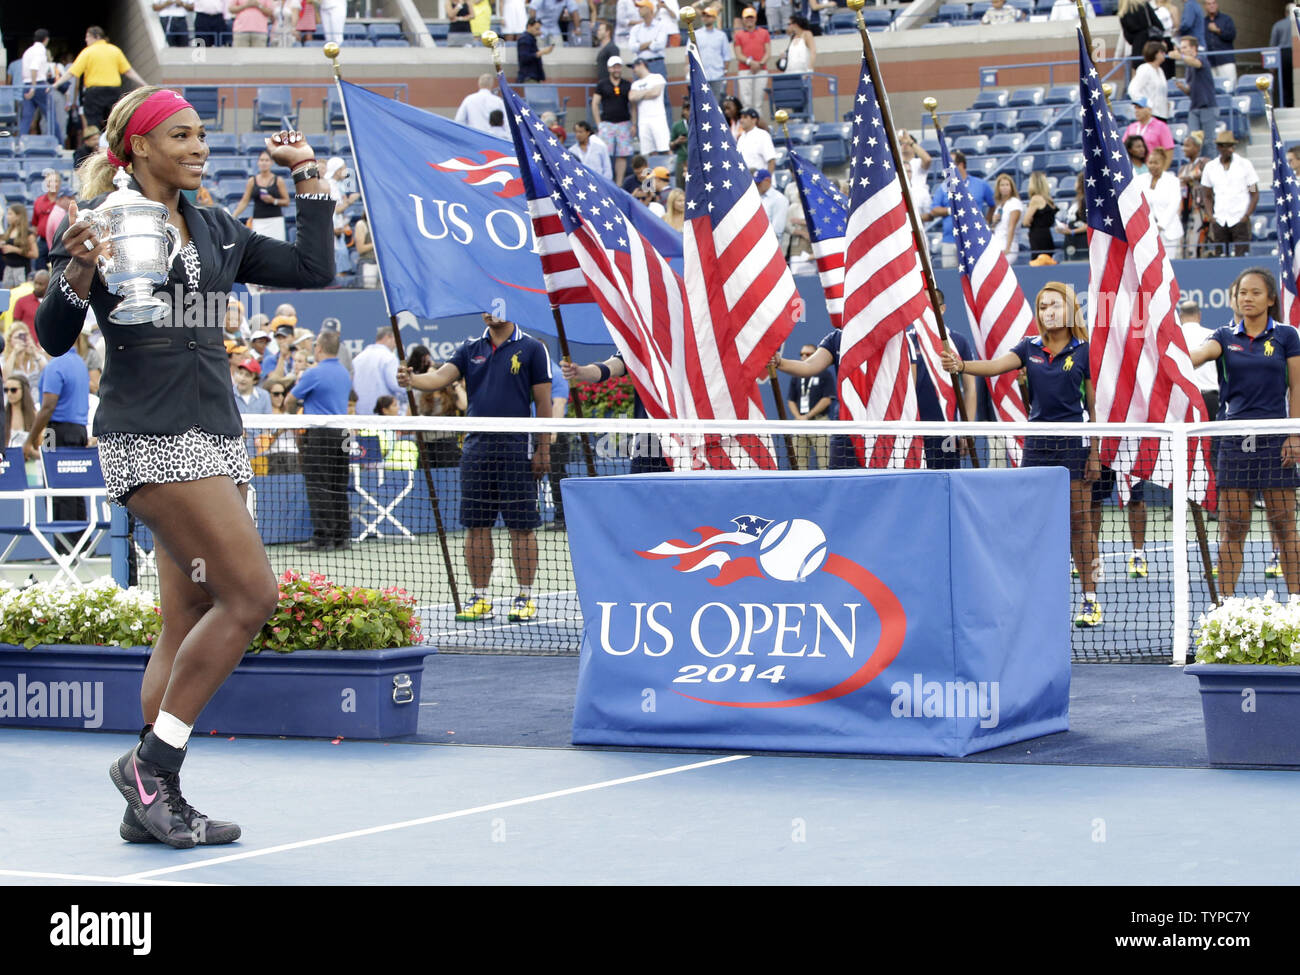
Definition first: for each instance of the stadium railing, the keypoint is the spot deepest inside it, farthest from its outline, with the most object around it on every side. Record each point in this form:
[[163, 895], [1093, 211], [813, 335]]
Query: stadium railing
[[1148, 609]]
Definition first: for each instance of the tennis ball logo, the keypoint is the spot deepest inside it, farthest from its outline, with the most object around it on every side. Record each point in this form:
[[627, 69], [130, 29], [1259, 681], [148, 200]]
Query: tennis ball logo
[[792, 550]]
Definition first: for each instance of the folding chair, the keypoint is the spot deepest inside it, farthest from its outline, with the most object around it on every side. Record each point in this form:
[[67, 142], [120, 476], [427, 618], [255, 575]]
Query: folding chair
[[367, 454], [70, 472]]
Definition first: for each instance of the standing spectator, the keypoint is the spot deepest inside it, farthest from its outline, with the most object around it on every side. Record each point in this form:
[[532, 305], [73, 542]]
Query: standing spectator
[[476, 107], [65, 408], [1154, 132], [374, 371], [648, 41], [1165, 198], [42, 207], [458, 32], [591, 150], [1073, 227], [25, 307], [36, 64], [755, 144], [1193, 195], [778, 15], [249, 397], [530, 53], [1140, 23], [549, 13], [269, 194], [753, 47], [332, 15], [801, 53], [63, 120], [811, 398], [1205, 375], [681, 137], [731, 109], [1000, 13], [209, 25], [1280, 37], [171, 14], [1199, 83], [89, 145], [982, 195], [23, 357], [612, 112], [252, 18], [605, 49], [100, 67], [1007, 211], [308, 20], [19, 247], [363, 252], [514, 18], [284, 22], [628, 16], [92, 354], [647, 92], [1231, 193], [507, 373], [482, 17], [1193, 23], [1149, 81], [775, 203], [332, 324], [715, 51], [1220, 32], [323, 391], [1040, 215]]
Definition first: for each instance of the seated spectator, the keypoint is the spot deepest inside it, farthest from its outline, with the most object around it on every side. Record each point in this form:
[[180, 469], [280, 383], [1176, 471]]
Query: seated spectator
[[1073, 227], [25, 307], [1136, 147], [551, 122], [1000, 13], [92, 355], [363, 249], [259, 339], [89, 145], [19, 247], [249, 398], [235, 326], [23, 357], [591, 150], [675, 209], [497, 124], [1039, 216], [755, 144], [640, 173], [1155, 134], [20, 409]]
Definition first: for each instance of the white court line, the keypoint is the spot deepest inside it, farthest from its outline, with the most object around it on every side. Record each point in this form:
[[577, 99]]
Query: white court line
[[441, 817], [468, 627], [89, 878]]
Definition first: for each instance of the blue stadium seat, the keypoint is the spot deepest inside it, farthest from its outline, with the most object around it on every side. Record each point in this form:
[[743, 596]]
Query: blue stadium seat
[[333, 111], [1067, 185], [1033, 119], [40, 146], [952, 11], [314, 42], [11, 171], [320, 141], [992, 98], [392, 42], [834, 138], [1025, 163], [229, 167], [803, 134], [1061, 95], [781, 179], [977, 9], [930, 144], [1267, 201], [438, 30], [1006, 143], [7, 146], [270, 104], [972, 145], [1024, 6], [356, 35], [14, 190], [1064, 163], [793, 92], [845, 21], [962, 123], [230, 190], [223, 144], [980, 166], [387, 31], [252, 143], [209, 103], [813, 153], [874, 18], [1026, 98], [1002, 120], [782, 156], [546, 98]]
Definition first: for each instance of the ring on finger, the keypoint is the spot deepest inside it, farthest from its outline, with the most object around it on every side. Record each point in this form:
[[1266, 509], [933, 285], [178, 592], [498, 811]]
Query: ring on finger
[[90, 245]]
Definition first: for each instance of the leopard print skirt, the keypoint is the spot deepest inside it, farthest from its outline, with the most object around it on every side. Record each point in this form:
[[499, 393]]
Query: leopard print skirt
[[130, 460]]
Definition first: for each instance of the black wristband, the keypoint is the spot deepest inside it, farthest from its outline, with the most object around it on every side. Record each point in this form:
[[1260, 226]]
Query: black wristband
[[604, 371]]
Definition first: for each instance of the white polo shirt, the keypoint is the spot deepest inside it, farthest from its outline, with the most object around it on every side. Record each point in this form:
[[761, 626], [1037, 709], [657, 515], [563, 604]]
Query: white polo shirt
[[477, 108], [756, 148], [1231, 188], [35, 58]]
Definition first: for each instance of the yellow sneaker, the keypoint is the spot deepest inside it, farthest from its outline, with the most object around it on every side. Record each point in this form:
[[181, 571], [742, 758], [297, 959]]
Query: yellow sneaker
[[1274, 568], [1089, 614], [480, 609], [523, 609], [1137, 566]]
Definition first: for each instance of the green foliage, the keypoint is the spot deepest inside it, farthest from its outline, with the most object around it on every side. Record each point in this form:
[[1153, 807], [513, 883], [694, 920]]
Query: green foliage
[[316, 614], [1250, 631]]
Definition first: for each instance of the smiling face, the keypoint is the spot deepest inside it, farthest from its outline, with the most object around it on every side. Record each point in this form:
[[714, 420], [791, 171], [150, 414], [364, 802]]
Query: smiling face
[[174, 152], [1051, 311]]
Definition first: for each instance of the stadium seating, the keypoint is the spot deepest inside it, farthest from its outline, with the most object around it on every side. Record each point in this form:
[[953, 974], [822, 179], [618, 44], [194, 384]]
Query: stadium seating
[[546, 98], [209, 103], [993, 98], [41, 146], [387, 32], [834, 138], [271, 104], [793, 92], [356, 35], [223, 144], [9, 98]]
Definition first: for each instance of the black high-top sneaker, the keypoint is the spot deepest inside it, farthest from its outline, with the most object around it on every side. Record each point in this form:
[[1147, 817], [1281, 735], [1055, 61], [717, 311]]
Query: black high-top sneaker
[[207, 832], [149, 777]]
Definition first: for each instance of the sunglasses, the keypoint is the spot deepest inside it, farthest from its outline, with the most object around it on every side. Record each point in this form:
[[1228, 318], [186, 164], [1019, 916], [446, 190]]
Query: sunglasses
[[13, 389], [277, 394]]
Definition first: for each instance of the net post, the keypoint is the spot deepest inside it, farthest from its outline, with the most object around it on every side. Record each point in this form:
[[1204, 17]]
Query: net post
[[1179, 636]]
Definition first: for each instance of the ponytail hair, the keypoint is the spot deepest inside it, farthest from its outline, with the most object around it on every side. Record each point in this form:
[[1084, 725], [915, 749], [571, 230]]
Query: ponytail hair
[[95, 175]]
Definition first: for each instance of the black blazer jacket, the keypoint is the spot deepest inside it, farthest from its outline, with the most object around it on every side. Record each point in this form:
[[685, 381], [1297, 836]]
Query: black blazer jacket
[[166, 377]]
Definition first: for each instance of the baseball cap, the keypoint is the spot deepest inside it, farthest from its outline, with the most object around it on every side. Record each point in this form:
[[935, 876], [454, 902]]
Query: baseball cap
[[762, 175], [638, 60], [661, 172], [251, 365], [1142, 102], [331, 325], [259, 335], [284, 331], [749, 12], [751, 112], [613, 60]]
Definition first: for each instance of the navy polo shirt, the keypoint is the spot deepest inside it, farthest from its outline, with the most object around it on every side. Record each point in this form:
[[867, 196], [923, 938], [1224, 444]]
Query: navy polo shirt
[[807, 392], [68, 378], [927, 397], [1252, 371], [831, 343], [1056, 382], [499, 380], [638, 408], [323, 389]]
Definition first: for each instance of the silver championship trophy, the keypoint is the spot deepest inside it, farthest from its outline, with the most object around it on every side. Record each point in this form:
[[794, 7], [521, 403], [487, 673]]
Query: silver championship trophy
[[140, 256]]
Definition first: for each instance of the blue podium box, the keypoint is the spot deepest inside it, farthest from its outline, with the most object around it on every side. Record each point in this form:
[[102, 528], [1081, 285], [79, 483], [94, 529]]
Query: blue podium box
[[908, 613]]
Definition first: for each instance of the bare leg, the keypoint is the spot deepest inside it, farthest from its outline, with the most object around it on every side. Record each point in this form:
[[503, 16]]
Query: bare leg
[[1234, 525], [1083, 541], [523, 550], [1280, 503], [479, 555], [1137, 523], [204, 525]]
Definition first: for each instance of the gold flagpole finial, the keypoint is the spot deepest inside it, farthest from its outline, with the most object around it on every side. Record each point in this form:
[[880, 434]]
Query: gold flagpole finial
[[931, 105], [331, 51], [492, 42], [688, 21], [782, 117]]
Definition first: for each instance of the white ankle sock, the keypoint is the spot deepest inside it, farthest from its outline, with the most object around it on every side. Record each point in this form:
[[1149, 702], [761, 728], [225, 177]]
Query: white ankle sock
[[172, 730]]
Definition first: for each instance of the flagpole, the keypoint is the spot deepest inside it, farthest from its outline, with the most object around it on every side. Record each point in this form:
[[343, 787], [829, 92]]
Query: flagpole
[[492, 42], [918, 235], [331, 51]]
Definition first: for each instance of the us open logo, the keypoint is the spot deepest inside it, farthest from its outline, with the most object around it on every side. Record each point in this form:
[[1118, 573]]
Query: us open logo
[[807, 617]]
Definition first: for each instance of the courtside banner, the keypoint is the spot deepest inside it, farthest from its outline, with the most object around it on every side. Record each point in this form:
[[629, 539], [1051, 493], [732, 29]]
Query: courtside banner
[[908, 613], [450, 219]]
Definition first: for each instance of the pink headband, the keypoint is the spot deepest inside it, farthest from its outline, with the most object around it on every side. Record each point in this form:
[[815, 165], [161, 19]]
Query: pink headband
[[154, 109]]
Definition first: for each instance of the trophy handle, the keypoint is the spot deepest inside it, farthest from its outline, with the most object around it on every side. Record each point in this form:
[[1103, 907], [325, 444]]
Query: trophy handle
[[175, 236]]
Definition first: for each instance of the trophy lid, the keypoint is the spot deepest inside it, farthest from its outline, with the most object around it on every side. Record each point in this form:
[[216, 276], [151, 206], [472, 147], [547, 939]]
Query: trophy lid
[[124, 195]]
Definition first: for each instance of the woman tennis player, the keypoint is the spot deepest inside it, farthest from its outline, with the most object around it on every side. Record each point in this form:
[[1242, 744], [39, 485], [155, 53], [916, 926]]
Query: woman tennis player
[[170, 438]]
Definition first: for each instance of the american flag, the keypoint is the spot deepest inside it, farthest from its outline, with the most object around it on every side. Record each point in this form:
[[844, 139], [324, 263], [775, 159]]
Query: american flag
[[1141, 371], [593, 245], [884, 290], [741, 297], [1286, 190], [996, 307], [826, 213]]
